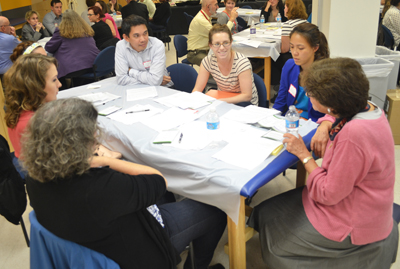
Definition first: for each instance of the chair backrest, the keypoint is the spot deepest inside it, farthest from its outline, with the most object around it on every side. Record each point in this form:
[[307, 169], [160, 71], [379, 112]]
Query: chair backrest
[[104, 62], [183, 76], [261, 90], [247, 7], [389, 39], [242, 23], [49, 251], [396, 212], [189, 18], [180, 43]]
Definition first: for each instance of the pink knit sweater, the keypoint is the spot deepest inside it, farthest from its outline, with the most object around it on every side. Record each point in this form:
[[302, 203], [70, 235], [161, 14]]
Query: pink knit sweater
[[352, 192]]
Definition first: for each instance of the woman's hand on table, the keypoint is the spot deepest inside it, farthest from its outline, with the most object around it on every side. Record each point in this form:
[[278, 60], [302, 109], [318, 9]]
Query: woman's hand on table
[[296, 146], [320, 139]]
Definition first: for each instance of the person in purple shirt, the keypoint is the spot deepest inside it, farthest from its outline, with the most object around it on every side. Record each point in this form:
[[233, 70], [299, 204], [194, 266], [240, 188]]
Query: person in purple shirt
[[8, 41], [73, 46]]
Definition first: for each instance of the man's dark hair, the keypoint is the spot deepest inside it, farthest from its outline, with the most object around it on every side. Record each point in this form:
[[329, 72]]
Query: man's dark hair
[[90, 3], [132, 20], [53, 2], [395, 2]]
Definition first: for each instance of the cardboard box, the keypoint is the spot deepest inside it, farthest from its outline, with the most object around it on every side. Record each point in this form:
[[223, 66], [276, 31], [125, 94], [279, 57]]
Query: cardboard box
[[392, 108]]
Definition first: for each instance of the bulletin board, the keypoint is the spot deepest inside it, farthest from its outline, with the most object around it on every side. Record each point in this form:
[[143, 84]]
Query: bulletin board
[[13, 4]]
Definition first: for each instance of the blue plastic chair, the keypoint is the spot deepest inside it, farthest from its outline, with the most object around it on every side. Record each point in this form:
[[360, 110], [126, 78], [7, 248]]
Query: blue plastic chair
[[389, 39], [103, 64], [189, 18], [49, 251], [261, 90], [180, 43], [242, 23], [396, 212], [183, 76], [247, 7]]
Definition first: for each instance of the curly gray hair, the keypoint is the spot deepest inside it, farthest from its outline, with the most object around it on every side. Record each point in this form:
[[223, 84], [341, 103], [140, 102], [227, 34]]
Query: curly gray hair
[[59, 140]]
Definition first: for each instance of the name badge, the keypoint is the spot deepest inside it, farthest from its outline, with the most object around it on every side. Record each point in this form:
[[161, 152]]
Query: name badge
[[292, 90], [147, 64]]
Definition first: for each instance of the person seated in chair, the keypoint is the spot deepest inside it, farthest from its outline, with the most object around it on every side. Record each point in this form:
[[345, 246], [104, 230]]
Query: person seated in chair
[[105, 204], [342, 218], [26, 47], [231, 70], [140, 59], [102, 32], [163, 12], [33, 30]]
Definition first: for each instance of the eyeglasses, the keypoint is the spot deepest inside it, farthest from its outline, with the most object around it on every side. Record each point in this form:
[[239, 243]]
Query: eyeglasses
[[5, 25], [309, 95], [225, 44], [90, 15]]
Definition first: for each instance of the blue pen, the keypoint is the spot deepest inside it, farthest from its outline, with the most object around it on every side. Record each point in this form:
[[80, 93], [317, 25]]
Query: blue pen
[[180, 138]]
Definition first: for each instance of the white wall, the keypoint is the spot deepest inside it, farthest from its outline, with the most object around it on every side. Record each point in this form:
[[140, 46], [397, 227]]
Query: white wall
[[350, 25]]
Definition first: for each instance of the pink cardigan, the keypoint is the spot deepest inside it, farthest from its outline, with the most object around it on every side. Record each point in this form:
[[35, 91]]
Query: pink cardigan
[[352, 191]]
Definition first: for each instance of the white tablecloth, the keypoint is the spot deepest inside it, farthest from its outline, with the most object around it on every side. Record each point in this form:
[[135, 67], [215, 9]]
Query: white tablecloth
[[272, 50], [194, 174], [245, 13]]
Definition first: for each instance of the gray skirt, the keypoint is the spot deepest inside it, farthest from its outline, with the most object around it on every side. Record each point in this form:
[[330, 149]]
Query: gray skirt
[[288, 239]]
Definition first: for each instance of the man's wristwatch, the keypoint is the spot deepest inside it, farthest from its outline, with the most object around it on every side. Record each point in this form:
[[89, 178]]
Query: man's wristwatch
[[305, 160]]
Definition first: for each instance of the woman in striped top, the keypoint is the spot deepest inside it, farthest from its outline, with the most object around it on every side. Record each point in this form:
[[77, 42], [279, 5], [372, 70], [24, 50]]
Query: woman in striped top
[[295, 11], [231, 70]]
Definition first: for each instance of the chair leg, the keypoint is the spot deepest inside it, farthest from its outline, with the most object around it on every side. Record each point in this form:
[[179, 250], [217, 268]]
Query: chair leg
[[191, 253], [24, 231]]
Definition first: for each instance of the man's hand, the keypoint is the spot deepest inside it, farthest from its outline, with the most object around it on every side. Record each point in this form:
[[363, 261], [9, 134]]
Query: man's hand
[[166, 80], [12, 31]]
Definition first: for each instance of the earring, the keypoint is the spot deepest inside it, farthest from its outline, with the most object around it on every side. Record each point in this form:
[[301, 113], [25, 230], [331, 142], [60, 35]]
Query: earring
[[329, 110]]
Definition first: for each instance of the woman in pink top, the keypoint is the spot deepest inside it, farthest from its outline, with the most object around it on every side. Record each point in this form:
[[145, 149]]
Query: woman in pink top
[[108, 19], [342, 218], [30, 82]]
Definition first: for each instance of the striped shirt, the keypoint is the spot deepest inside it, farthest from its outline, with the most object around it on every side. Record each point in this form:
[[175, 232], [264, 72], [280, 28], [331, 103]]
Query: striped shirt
[[230, 83], [289, 25]]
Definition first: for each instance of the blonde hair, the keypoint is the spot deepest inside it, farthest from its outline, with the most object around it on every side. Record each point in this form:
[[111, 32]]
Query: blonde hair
[[296, 10], [29, 14], [73, 26]]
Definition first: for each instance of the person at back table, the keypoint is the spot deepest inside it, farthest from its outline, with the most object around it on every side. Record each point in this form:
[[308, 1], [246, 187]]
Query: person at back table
[[229, 15], [151, 7], [53, 19], [231, 70], [140, 59], [8, 41], [135, 8], [392, 21], [198, 32], [108, 18], [102, 33], [114, 7], [163, 12], [73, 46], [33, 30], [271, 9]]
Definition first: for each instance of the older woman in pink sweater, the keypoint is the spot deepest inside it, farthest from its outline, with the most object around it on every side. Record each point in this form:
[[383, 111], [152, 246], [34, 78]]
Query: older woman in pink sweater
[[342, 218]]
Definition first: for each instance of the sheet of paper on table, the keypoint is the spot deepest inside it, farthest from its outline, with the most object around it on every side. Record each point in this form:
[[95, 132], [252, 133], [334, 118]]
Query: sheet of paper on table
[[141, 93], [247, 154], [278, 123], [138, 113], [185, 100], [250, 114], [99, 98], [194, 136], [251, 43], [169, 119]]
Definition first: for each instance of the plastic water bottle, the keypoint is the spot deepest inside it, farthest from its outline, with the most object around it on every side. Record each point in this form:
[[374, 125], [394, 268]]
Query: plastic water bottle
[[252, 30], [292, 121], [213, 126], [279, 20], [262, 21]]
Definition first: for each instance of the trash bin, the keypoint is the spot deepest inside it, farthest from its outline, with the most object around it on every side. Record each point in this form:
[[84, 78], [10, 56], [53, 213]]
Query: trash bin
[[377, 71], [394, 57]]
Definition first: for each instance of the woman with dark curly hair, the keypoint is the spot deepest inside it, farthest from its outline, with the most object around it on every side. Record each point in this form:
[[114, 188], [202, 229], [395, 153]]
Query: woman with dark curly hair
[[106, 204], [27, 47], [342, 218], [30, 82]]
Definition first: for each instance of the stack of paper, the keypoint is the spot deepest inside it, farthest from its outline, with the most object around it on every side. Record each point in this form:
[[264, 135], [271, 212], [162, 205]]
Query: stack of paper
[[250, 114], [141, 93], [169, 119], [186, 100], [99, 98]]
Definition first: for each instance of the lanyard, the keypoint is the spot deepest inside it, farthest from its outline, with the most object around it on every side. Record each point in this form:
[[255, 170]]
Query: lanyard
[[234, 22], [204, 15]]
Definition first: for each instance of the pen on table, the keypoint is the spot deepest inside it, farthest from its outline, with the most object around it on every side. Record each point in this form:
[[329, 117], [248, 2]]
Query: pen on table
[[144, 110], [180, 138]]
